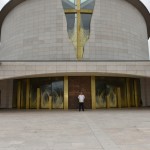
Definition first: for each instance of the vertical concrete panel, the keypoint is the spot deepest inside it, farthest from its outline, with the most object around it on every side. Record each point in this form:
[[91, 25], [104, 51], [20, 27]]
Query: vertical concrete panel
[[6, 88], [145, 91]]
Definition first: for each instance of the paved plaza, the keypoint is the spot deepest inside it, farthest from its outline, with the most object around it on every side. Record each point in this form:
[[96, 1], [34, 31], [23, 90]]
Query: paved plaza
[[113, 129]]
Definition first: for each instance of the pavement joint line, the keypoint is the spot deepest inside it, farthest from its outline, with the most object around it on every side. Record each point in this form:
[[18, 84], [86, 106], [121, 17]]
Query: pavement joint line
[[104, 140]]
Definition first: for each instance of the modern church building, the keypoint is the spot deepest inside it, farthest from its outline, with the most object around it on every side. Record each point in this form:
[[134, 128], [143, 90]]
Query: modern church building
[[50, 50]]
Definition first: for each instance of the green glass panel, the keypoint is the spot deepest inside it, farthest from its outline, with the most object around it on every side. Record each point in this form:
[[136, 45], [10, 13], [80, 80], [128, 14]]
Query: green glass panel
[[46, 91], [106, 92], [14, 105], [57, 94], [48, 87], [23, 93]]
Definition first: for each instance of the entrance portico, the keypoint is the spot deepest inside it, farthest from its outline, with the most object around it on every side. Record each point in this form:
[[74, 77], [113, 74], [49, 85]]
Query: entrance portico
[[105, 90], [62, 92]]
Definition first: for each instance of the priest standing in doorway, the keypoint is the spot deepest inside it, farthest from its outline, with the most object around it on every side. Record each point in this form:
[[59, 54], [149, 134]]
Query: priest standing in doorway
[[81, 98]]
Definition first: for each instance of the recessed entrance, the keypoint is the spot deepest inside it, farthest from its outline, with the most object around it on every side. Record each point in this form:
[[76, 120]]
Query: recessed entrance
[[62, 93], [75, 86]]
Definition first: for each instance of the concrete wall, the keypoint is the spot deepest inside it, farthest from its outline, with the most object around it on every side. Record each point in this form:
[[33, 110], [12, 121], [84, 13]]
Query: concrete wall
[[6, 88], [9, 70], [145, 91], [37, 30], [118, 32]]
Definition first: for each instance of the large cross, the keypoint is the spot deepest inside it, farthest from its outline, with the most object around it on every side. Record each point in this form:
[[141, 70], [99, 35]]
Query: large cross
[[79, 11]]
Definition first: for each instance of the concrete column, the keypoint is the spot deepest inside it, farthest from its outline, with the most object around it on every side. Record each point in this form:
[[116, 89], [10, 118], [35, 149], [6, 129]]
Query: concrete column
[[66, 92], [19, 95], [107, 102]]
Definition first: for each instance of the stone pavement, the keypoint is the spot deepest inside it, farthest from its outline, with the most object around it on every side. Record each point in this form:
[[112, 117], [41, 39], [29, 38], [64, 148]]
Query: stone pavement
[[113, 129]]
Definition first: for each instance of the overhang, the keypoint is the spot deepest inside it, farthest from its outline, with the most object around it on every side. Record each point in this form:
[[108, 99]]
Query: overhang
[[134, 69], [136, 3]]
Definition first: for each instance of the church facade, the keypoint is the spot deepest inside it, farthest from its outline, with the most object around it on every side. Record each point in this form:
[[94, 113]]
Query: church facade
[[51, 50]]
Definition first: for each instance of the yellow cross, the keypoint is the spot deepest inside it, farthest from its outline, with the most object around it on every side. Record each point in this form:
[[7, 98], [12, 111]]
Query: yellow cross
[[79, 11]]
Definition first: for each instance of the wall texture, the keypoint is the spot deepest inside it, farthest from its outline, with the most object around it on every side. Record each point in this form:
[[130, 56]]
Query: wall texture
[[145, 88], [6, 87], [118, 32], [37, 30]]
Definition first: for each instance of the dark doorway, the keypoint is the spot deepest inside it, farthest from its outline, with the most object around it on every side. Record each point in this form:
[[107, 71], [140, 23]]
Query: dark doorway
[[0, 97], [77, 84]]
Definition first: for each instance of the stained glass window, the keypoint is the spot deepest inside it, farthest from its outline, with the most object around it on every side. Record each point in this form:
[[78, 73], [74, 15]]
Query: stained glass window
[[78, 16]]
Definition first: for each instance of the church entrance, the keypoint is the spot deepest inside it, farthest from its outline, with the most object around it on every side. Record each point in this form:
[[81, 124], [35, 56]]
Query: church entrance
[[75, 86], [56, 93]]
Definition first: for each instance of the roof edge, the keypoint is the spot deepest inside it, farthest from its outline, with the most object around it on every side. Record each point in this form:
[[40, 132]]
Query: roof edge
[[144, 11], [6, 10]]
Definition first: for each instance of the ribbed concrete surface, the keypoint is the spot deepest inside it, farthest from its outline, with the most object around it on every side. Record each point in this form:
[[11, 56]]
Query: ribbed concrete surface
[[125, 129]]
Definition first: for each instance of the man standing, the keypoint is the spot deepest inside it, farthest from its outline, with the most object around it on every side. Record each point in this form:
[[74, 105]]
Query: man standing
[[81, 98]]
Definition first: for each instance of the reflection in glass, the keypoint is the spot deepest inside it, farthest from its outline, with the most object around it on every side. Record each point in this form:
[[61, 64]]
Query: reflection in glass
[[33, 93], [57, 94], [49, 87], [46, 91], [23, 94], [112, 92], [15, 83]]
